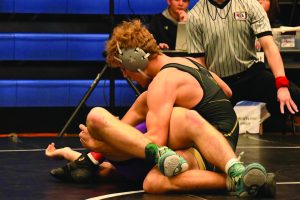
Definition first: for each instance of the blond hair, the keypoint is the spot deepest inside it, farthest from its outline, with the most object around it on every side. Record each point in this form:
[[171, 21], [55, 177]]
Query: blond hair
[[130, 34]]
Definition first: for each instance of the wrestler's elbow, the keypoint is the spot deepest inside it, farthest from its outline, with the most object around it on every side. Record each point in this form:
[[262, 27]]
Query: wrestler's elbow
[[149, 186], [154, 184]]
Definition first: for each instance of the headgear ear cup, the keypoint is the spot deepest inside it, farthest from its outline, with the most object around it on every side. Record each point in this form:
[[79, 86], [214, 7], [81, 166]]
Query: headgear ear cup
[[133, 59]]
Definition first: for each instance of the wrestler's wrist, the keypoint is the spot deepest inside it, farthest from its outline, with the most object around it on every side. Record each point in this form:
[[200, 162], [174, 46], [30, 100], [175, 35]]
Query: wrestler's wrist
[[281, 81]]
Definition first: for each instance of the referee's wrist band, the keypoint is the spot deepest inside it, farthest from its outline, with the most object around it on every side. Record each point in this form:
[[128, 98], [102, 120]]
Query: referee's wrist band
[[281, 81]]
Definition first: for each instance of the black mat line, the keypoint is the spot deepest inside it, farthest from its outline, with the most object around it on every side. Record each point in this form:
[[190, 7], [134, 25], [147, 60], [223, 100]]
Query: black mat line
[[25, 169]]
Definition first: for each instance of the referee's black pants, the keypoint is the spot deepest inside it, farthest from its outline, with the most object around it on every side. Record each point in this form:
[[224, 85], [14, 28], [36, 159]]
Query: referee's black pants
[[258, 84]]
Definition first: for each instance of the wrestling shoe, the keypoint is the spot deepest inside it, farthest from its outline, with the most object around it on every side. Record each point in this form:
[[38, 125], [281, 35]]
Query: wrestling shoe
[[268, 190], [82, 170], [170, 163], [248, 180]]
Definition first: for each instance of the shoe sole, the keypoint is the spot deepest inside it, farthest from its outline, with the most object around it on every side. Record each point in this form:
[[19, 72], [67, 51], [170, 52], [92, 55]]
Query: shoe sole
[[269, 189], [170, 165], [253, 180]]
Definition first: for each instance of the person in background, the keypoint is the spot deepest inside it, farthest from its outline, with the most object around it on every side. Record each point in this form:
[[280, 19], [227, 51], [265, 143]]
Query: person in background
[[272, 9], [222, 34], [163, 26]]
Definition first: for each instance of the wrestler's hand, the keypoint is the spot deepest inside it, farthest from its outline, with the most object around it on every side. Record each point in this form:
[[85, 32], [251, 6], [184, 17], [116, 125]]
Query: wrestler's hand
[[163, 46], [182, 15], [285, 99], [94, 145], [88, 141]]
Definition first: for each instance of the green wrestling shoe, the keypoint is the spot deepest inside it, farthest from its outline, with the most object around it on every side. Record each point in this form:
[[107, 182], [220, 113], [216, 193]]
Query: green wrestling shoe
[[248, 180], [170, 163], [268, 190]]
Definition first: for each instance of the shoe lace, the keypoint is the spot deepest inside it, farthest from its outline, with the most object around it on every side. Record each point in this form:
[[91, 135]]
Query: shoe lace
[[240, 156], [237, 170], [162, 151]]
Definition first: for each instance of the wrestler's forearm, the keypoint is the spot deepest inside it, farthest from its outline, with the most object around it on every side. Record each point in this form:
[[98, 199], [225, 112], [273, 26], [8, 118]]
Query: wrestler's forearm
[[137, 112]]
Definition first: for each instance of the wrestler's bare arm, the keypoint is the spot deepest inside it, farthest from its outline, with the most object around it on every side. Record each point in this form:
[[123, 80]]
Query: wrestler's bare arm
[[137, 112], [276, 65], [160, 100]]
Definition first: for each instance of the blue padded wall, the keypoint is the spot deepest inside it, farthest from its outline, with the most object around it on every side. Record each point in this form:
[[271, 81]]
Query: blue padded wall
[[32, 93], [139, 6], [7, 6], [8, 93], [7, 46], [62, 93], [55, 6], [124, 94], [88, 6], [142, 7], [86, 46], [84, 6], [99, 97], [41, 6], [44, 46], [40, 46]]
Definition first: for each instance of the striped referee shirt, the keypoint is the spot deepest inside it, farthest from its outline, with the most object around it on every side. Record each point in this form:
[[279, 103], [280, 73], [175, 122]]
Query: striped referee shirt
[[225, 34]]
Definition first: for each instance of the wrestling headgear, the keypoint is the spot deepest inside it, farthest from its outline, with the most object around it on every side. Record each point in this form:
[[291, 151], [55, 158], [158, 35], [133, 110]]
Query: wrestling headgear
[[134, 59]]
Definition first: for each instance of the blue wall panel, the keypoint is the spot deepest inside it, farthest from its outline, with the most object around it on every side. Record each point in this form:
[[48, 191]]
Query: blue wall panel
[[139, 6], [99, 96], [8, 93], [86, 46], [88, 6], [7, 46], [142, 7], [124, 94], [32, 93], [41, 6], [40, 46], [6, 6], [84, 6], [62, 93]]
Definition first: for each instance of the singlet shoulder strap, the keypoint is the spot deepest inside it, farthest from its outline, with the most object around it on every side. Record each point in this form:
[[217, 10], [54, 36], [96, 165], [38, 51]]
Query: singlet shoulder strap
[[196, 63]]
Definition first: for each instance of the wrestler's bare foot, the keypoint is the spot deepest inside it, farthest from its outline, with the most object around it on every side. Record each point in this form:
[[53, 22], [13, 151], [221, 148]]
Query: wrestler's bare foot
[[52, 152]]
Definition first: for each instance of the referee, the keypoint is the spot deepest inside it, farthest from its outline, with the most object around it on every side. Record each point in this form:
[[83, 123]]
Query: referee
[[221, 35]]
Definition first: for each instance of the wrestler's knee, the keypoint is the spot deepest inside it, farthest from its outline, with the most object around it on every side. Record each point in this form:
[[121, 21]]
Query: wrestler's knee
[[96, 117], [186, 115], [195, 119]]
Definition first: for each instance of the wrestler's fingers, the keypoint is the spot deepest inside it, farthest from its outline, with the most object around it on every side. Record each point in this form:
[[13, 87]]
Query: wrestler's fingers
[[282, 104], [294, 106], [48, 149], [51, 146], [83, 143], [82, 127], [84, 135], [288, 105], [82, 140]]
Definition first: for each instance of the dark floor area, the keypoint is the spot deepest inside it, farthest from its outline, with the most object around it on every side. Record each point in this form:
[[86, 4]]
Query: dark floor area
[[25, 169]]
